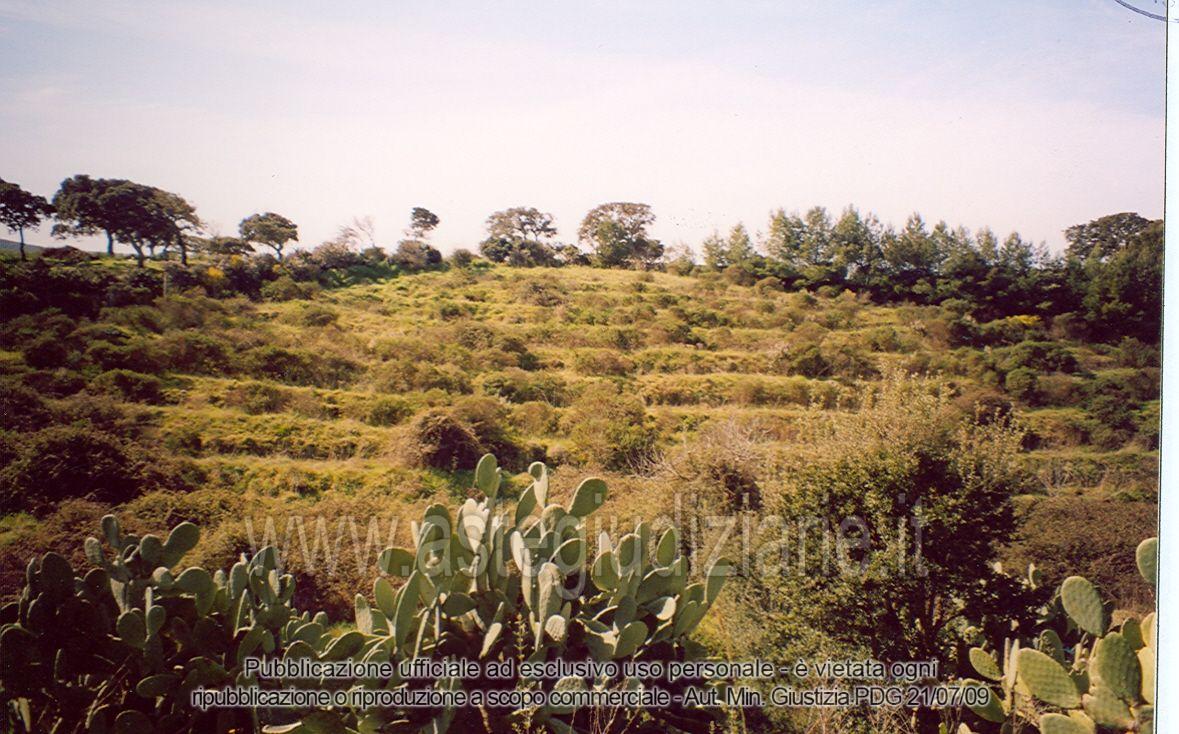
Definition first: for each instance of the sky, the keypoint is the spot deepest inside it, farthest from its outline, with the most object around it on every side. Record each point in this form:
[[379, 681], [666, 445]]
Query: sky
[[1020, 116]]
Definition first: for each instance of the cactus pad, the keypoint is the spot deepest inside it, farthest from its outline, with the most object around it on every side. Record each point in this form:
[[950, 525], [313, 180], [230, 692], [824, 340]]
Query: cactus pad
[[1083, 604], [1046, 679]]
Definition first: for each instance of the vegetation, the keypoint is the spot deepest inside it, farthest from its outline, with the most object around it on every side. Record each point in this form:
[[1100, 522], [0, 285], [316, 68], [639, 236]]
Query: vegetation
[[928, 411], [162, 636]]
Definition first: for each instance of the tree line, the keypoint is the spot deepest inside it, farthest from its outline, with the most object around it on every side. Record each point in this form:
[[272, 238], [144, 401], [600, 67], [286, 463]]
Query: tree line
[[1109, 276]]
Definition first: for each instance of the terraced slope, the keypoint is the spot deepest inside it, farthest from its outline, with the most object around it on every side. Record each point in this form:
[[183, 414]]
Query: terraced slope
[[363, 400]]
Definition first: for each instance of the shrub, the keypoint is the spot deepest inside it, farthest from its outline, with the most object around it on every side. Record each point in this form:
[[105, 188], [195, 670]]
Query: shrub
[[440, 440], [63, 462], [1038, 356], [299, 367], [255, 397], [22, 409], [1075, 535], [462, 258], [808, 362], [386, 410], [136, 355], [610, 429], [602, 362], [284, 288], [314, 314], [906, 460], [194, 352], [47, 352], [407, 374], [518, 386], [128, 385], [1022, 383]]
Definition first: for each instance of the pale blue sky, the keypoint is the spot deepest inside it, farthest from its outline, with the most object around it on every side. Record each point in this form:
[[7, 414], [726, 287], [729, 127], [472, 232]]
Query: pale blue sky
[[1018, 115]]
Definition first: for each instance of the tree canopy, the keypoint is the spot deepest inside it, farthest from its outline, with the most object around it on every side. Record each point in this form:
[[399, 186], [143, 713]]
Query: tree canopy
[[617, 233], [521, 235], [269, 229], [21, 210]]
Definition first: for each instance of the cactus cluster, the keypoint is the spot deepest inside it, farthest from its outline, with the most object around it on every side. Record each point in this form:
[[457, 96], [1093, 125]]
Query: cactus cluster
[[120, 648], [494, 585], [1080, 675]]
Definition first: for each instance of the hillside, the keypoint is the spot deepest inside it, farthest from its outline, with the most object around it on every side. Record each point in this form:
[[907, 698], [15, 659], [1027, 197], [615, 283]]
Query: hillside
[[366, 396], [322, 415]]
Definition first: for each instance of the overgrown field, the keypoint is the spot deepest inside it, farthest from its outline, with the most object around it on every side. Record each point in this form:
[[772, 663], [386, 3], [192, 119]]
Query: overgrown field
[[331, 416]]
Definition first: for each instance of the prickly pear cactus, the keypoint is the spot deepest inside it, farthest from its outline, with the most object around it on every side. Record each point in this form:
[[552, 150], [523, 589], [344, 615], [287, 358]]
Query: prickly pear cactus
[[119, 648], [494, 583], [1101, 680]]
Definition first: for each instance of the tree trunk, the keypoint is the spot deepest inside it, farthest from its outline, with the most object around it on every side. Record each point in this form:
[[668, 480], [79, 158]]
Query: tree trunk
[[21, 232], [183, 250], [139, 259], [110, 244]]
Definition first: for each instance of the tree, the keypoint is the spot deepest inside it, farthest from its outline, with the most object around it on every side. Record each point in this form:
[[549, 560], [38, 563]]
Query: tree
[[617, 232], [784, 243], [422, 222], [143, 217], [739, 250], [520, 236], [179, 218], [84, 206], [219, 245], [1123, 295], [855, 251], [20, 210], [913, 259], [269, 229], [716, 252], [1102, 237], [360, 234]]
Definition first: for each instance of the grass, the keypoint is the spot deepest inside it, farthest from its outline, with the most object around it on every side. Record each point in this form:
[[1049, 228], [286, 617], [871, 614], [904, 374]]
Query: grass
[[695, 351]]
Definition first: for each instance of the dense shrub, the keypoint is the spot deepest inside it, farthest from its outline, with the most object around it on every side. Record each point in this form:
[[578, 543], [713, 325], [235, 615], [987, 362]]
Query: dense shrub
[[299, 367], [901, 509], [1038, 356], [386, 410], [194, 352], [1074, 535], [63, 462], [47, 352], [407, 374], [610, 429], [1022, 383], [440, 440], [518, 386], [21, 408], [255, 397], [128, 385]]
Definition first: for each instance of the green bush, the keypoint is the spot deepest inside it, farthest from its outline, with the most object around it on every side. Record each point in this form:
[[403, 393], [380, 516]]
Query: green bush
[[386, 410], [64, 462], [1037, 356], [255, 397], [22, 409], [128, 385], [1022, 383], [609, 429], [518, 386]]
